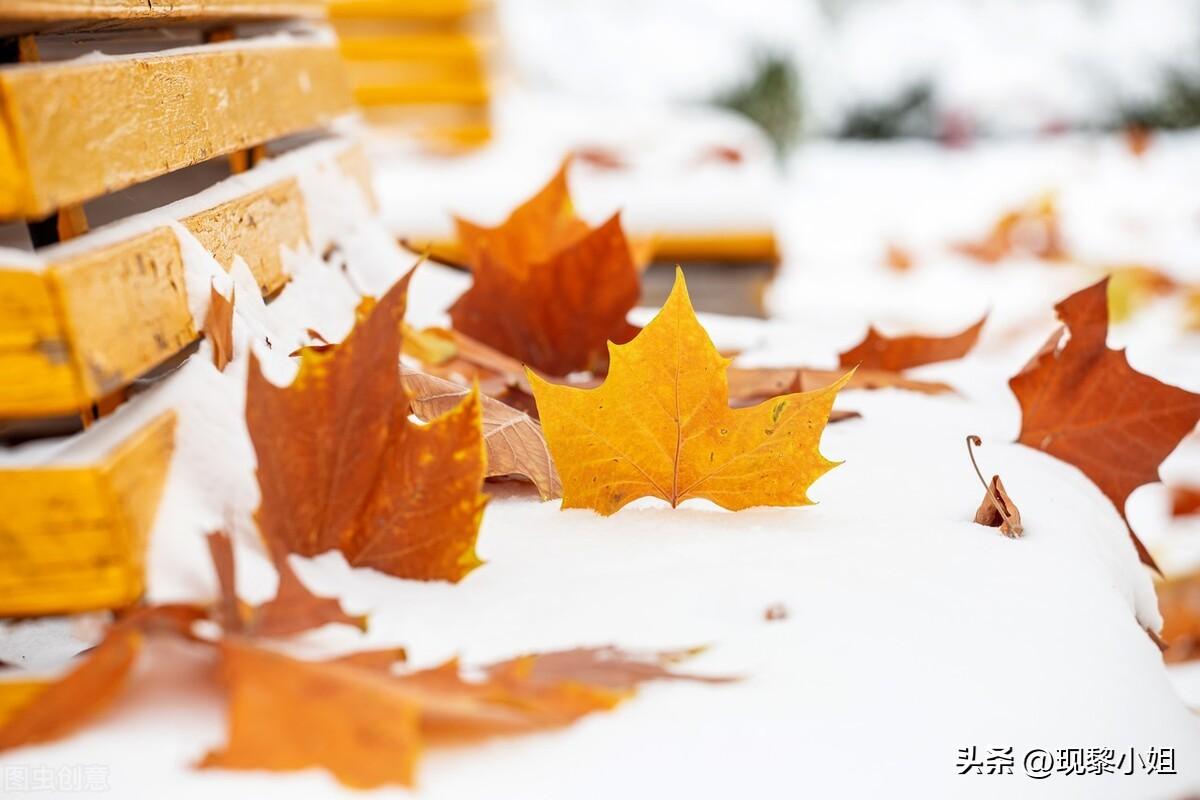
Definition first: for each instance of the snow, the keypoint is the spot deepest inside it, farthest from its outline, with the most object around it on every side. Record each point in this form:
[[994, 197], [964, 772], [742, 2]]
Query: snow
[[911, 631], [663, 188]]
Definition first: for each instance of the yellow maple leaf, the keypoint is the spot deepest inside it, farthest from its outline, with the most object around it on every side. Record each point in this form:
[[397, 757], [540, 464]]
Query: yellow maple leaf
[[660, 425]]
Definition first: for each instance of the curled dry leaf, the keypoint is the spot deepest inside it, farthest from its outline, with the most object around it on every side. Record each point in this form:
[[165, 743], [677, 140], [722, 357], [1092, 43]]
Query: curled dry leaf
[[341, 467], [660, 425], [548, 289], [997, 510], [515, 444], [218, 327], [1033, 231], [368, 727], [877, 351], [294, 609], [1081, 402]]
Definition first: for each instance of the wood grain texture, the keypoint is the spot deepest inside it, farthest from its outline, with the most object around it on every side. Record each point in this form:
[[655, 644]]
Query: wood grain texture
[[73, 131], [74, 539], [86, 326], [59, 15]]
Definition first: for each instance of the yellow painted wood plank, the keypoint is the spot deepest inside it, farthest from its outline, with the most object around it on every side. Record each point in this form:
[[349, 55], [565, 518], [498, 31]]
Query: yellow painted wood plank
[[74, 539], [733, 247], [431, 46], [153, 11], [422, 92], [254, 227], [465, 75], [88, 325], [124, 309], [75, 131], [405, 9]]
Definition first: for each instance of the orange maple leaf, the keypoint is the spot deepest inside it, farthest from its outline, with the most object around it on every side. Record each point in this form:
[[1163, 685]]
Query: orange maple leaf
[[548, 289], [894, 354], [36, 711], [293, 609], [1082, 402], [661, 426], [367, 725], [341, 467], [1033, 230]]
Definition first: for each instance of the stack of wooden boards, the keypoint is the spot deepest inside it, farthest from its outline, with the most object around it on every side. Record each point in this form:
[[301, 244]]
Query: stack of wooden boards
[[132, 115], [420, 68]]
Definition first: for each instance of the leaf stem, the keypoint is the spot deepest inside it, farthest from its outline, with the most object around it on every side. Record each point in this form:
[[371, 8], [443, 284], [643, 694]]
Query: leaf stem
[[972, 439]]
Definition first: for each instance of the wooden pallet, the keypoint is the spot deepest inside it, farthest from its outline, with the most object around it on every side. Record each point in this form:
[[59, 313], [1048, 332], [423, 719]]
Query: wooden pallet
[[73, 538], [59, 347], [74, 131]]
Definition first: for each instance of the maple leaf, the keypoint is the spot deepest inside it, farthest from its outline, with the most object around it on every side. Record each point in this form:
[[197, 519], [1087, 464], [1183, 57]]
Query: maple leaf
[[515, 444], [547, 289], [759, 383], [218, 327], [1033, 231], [894, 354], [660, 425], [340, 466], [43, 711], [1082, 403], [293, 609], [367, 726]]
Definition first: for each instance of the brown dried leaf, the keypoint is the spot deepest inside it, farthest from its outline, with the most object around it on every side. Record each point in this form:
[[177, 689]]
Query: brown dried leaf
[[1007, 517], [218, 327], [32, 712], [881, 352], [753, 384], [1185, 500], [1081, 402], [340, 466], [548, 289], [293, 609], [287, 714], [1033, 231], [515, 445]]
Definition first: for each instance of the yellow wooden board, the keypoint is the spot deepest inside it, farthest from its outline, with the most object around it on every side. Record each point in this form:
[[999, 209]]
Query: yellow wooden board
[[405, 9], [86, 326], [36, 15], [431, 46], [734, 247], [73, 131], [74, 539], [471, 91]]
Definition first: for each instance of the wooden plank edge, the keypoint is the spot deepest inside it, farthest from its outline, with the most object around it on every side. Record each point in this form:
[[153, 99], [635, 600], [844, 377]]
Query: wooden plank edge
[[75, 537], [59, 349], [74, 131]]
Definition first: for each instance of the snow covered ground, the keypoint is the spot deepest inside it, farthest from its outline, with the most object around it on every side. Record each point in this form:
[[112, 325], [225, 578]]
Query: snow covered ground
[[911, 633]]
